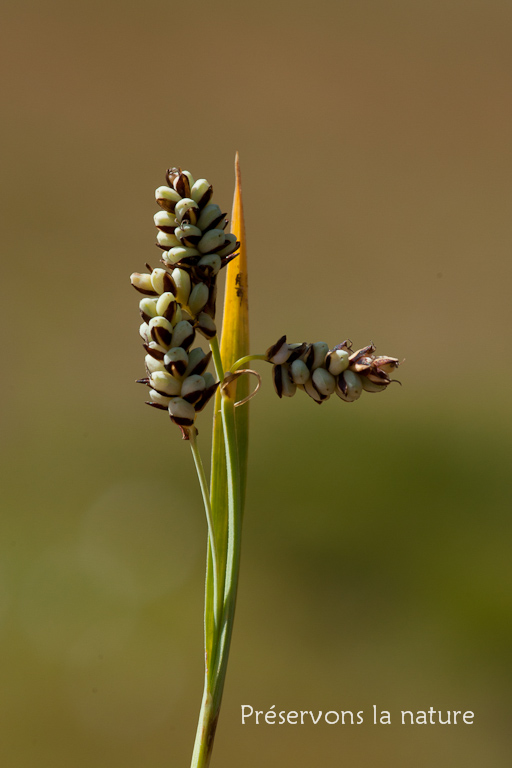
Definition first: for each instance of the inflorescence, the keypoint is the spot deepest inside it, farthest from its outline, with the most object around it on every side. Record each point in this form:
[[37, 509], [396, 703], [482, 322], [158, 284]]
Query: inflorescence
[[321, 371], [180, 297]]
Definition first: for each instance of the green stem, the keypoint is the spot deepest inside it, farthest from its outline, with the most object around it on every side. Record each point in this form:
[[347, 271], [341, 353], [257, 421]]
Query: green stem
[[244, 360], [217, 660], [206, 728], [216, 675], [207, 508], [217, 360], [233, 553]]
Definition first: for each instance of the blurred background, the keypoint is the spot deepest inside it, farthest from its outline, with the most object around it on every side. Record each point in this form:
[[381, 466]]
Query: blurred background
[[375, 150]]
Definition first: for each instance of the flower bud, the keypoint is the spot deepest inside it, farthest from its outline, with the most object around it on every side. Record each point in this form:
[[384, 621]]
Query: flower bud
[[164, 383], [198, 298], [176, 362], [349, 386], [187, 210], [189, 177], [191, 388], [284, 386], [144, 332], [167, 306], [206, 325], [209, 379], [373, 386], [167, 198], [181, 253], [183, 335], [207, 393], [181, 280], [364, 352], [155, 350], [165, 240], [148, 309], [153, 365], [181, 412], [313, 392], [320, 349], [209, 264], [212, 240], [299, 372], [180, 180], [201, 192], [384, 364], [165, 221], [162, 281], [142, 282], [230, 245], [210, 216], [198, 362], [323, 381], [161, 331], [279, 352], [188, 234], [337, 360], [361, 365], [158, 400]]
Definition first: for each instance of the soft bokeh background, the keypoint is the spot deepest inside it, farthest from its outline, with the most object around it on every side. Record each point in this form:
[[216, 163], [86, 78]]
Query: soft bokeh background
[[375, 148]]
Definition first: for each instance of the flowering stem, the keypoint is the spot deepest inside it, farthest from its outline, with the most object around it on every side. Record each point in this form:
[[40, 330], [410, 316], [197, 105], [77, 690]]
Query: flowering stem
[[234, 546], [208, 510], [244, 360], [217, 360], [217, 666]]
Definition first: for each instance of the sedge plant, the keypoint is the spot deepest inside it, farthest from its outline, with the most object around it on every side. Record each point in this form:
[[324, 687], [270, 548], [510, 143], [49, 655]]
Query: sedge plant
[[179, 304]]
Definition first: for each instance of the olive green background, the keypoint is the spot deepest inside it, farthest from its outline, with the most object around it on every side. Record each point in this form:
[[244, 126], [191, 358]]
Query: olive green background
[[375, 147]]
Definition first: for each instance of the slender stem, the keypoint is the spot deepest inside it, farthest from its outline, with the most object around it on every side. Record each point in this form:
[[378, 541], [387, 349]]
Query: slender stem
[[217, 663], [207, 508], [205, 733], [217, 360], [244, 360], [233, 554], [214, 681]]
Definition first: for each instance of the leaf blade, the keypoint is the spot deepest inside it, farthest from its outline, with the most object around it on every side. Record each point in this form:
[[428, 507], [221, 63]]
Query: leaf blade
[[235, 325]]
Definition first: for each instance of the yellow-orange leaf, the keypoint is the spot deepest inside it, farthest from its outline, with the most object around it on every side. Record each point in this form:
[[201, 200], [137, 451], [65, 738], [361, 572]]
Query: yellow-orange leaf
[[235, 325]]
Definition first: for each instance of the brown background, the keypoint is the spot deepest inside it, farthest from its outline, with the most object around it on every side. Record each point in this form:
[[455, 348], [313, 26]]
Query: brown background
[[376, 155]]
